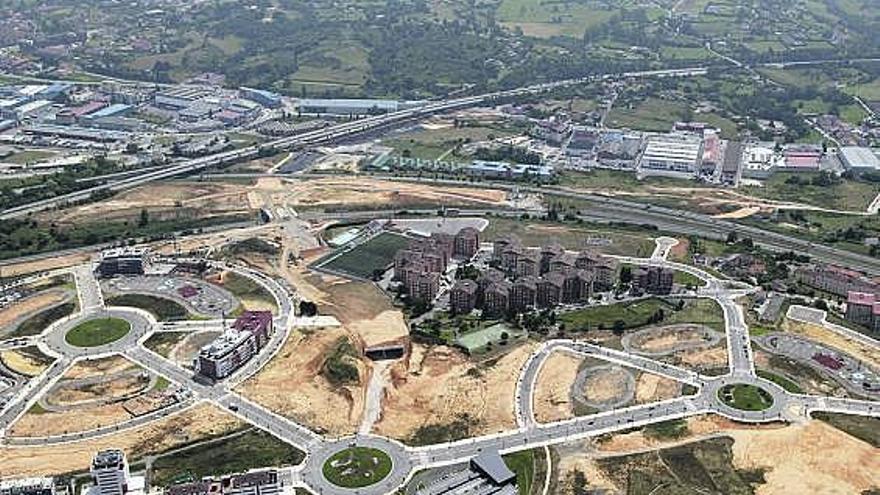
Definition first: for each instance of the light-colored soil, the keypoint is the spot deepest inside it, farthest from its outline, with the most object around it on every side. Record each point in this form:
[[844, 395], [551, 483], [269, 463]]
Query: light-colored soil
[[715, 357], [679, 252], [810, 458], [115, 388], [162, 199], [97, 367], [185, 427], [55, 423], [31, 304], [364, 309], [364, 191], [867, 354], [606, 385], [50, 263], [698, 426], [22, 363], [667, 339], [437, 385], [653, 388], [552, 399], [187, 349], [291, 385]]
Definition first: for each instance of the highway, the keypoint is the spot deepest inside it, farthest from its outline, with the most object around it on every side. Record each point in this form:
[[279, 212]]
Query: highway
[[324, 135]]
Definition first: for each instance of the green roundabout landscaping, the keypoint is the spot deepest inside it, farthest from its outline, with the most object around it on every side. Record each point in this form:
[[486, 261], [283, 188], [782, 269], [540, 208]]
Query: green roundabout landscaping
[[745, 397], [97, 332], [357, 467]]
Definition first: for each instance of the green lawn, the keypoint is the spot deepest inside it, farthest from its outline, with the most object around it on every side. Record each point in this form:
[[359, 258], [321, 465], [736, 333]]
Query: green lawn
[[846, 195], [367, 258], [244, 288], [249, 450], [652, 114], [782, 381], [93, 333], [163, 309], [547, 19], [523, 464], [357, 467], [637, 314], [745, 397]]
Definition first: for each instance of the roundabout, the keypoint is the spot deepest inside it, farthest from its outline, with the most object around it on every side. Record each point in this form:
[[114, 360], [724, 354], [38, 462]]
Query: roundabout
[[357, 467], [97, 332], [745, 397]]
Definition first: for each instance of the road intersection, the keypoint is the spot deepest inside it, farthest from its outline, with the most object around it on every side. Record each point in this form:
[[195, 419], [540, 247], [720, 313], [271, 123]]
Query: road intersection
[[405, 459]]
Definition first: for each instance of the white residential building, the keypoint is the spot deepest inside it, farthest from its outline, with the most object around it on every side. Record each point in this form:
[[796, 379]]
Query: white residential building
[[27, 486], [110, 472]]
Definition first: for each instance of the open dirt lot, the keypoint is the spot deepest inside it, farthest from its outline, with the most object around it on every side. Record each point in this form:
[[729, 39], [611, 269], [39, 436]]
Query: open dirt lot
[[797, 460], [866, 354], [552, 399], [187, 349], [187, 426], [605, 385], [97, 367], [715, 357], [437, 385], [364, 309], [364, 191], [292, 385], [35, 424], [50, 263], [31, 304], [114, 388], [202, 197], [22, 363], [653, 388]]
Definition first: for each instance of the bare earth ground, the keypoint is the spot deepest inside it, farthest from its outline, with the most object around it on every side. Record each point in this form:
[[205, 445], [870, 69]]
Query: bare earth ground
[[187, 426], [364, 191], [434, 386], [713, 357], [867, 354], [823, 386], [362, 308], [187, 349], [53, 423], [653, 388], [106, 365], [45, 264], [28, 305], [605, 385], [118, 387], [667, 339], [291, 385], [552, 401], [798, 460], [21, 363]]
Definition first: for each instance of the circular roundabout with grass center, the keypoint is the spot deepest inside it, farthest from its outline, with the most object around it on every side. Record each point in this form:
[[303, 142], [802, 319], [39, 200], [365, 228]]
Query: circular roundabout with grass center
[[745, 397], [357, 467], [97, 332]]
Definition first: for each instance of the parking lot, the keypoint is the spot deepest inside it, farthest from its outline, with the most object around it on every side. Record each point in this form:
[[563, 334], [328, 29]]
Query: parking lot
[[196, 295]]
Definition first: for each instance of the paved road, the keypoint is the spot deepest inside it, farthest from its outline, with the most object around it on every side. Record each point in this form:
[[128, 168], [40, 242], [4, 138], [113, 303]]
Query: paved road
[[406, 460]]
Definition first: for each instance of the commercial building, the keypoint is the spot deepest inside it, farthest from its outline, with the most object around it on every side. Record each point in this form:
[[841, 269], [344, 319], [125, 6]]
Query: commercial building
[[859, 159], [352, 106], [236, 346], [110, 472], [675, 154], [27, 486], [114, 110], [503, 170], [123, 261], [266, 98]]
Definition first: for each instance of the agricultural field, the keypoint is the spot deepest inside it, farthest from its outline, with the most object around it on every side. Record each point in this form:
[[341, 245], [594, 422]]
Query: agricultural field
[[364, 260]]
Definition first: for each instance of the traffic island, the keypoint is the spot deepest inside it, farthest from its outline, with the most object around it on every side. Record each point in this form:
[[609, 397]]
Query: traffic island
[[745, 397], [357, 467], [97, 332]]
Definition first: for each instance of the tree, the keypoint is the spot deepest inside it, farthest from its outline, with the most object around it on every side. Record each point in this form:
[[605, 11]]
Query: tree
[[619, 327], [732, 238], [144, 219], [626, 274]]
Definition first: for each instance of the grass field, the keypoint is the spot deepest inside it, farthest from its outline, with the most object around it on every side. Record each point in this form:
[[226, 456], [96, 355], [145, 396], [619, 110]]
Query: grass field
[[37, 323], [246, 289], [862, 427], [745, 397], [357, 467], [30, 156], [780, 380], [249, 450], [652, 114], [637, 314], [93, 333], [850, 195], [365, 259], [547, 19], [163, 309], [523, 464]]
